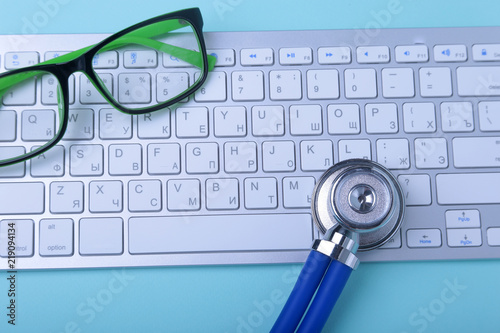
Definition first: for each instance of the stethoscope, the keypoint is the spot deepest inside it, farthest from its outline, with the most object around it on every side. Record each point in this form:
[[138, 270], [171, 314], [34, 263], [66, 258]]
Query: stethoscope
[[356, 204]]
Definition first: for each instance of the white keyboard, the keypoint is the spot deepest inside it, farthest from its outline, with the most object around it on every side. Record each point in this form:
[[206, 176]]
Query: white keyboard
[[226, 177]]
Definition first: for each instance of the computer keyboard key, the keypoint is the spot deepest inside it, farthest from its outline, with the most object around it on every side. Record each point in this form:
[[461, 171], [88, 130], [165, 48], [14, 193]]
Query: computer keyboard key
[[323, 84], [164, 158], [144, 195], [467, 188], [225, 57], [493, 235], [416, 189], [464, 237], [334, 55], [154, 125], [202, 157], [478, 81], [86, 160], [169, 85], [134, 88], [431, 153], [106, 196], [411, 53], [419, 117], [360, 83], [38, 125], [240, 157], [125, 159], [457, 117], [372, 54], [114, 124], [257, 57], [230, 121], [21, 232], [22, 198], [246, 232], [316, 155], [183, 195], [108, 59], [268, 120], [278, 156], [486, 52], [393, 153], [261, 193], [88, 93], [56, 237], [381, 118], [53, 54], [222, 194], [467, 155], [140, 59], [80, 125], [306, 120], [21, 94], [349, 149], [450, 53], [14, 60], [343, 119], [214, 88], [295, 56], [49, 164], [297, 191], [489, 116], [66, 197], [463, 218], [191, 122], [435, 82], [101, 236], [423, 238], [16, 170], [397, 82], [247, 85], [8, 126], [285, 85], [50, 87]]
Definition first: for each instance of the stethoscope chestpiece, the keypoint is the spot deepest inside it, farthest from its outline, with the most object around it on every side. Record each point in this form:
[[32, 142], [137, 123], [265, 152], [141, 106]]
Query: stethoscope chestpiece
[[361, 196]]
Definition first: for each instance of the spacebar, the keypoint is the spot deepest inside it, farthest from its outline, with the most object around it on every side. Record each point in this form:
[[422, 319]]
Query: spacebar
[[219, 233], [468, 188]]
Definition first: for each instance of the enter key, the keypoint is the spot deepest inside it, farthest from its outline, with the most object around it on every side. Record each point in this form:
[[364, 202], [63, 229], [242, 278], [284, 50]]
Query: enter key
[[467, 155]]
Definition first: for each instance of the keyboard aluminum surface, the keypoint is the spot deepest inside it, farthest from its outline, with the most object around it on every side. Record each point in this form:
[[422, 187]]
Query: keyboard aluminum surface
[[225, 177]]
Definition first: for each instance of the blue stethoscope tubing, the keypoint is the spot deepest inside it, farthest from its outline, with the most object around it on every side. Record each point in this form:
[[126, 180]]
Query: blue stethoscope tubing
[[351, 198], [317, 289]]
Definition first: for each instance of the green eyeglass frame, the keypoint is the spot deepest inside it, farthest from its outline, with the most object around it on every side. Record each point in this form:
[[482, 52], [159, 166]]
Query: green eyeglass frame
[[141, 34]]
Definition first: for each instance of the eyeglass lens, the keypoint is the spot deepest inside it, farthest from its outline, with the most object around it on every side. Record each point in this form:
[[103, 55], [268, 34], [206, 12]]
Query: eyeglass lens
[[158, 61]]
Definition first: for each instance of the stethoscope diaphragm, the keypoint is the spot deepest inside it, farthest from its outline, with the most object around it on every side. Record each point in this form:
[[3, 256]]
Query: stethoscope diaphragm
[[361, 196]]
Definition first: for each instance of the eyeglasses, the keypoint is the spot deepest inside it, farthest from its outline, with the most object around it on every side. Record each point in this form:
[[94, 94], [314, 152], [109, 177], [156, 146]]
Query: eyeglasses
[[174, 39]]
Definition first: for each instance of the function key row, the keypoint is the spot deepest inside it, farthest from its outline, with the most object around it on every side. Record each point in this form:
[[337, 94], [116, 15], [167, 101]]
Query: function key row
[[369, 54], [111, 59], [287, 56]]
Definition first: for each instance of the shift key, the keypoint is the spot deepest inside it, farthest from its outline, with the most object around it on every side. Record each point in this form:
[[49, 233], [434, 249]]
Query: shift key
[[21, 198]]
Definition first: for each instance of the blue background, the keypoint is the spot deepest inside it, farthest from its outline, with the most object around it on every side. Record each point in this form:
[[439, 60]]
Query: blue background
[[380, 297]]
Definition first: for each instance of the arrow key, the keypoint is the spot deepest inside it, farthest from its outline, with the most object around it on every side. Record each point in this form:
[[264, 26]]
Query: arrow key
[[423, 237], [463, 218], [464, 237]]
